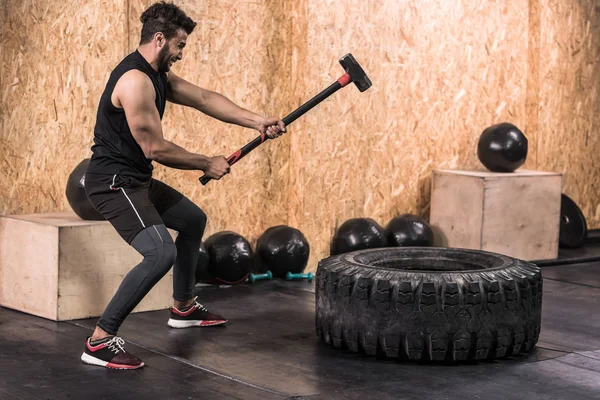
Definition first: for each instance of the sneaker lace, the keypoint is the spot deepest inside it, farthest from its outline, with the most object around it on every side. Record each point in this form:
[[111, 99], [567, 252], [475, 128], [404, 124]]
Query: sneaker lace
[[199, 306], [116, 344]]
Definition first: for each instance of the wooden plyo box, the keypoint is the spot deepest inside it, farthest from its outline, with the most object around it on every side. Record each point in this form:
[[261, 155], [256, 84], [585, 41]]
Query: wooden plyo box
[[516, 214], [59, 267]]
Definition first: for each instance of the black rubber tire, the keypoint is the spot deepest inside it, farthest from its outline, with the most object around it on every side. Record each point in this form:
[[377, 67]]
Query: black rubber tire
[[428, 304]]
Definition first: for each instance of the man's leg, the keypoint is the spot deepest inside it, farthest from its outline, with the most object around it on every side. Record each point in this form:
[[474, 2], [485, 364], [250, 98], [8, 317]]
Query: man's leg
[[181, 214], [156, 245], [125, 204], [189, 221]]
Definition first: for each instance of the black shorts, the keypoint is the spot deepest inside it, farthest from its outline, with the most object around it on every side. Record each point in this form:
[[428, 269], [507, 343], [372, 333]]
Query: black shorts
[[129, 204]]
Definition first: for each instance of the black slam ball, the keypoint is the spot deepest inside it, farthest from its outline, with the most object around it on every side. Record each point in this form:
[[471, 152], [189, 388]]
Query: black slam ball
[[357, 234], [76, 196], [408, 230], [502, 148], [573, 225], [230, 257], [282, 249], [202, 274]]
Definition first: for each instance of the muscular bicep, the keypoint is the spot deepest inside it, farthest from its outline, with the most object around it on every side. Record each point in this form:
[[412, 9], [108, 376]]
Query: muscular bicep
[[136, 95]]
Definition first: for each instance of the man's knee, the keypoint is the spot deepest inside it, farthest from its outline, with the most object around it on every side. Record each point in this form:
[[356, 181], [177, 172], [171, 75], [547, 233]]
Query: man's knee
[[169, 254], [161, 257], [156, 245], [196, 224], [167, 251], [201, 220]]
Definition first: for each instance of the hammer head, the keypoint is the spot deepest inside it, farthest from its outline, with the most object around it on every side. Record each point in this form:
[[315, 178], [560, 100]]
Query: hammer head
[[357, 75]]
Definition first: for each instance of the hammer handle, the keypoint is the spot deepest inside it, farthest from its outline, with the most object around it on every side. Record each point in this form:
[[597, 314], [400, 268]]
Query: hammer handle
[[294, 115], [334, 87]]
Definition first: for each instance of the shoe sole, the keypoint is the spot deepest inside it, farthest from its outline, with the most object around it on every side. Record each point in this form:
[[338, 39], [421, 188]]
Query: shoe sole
[[176, 323], [86, 358]]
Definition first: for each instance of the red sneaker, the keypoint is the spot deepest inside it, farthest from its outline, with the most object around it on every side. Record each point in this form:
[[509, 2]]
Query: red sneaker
[[194, 315], [110, 353]]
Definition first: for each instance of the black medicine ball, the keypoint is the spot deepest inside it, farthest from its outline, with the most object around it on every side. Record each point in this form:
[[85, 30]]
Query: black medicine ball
[[502, 148]]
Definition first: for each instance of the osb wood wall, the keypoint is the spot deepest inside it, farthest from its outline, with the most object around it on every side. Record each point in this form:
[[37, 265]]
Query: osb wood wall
[[442, 72], [569, 105], [54, 60]]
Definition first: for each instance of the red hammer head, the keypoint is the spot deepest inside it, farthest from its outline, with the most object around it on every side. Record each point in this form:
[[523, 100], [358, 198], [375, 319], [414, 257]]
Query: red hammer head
[[357, 75]]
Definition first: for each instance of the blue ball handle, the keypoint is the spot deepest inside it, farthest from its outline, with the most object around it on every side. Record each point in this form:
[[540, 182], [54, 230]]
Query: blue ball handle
[[260, 277], [290, 276]]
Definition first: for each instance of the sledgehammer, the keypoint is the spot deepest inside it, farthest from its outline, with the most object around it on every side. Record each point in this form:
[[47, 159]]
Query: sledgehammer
[[354, 73]]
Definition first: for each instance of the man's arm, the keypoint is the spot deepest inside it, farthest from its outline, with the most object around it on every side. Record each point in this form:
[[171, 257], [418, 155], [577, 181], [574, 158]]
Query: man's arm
[[218, 106], [135, 93]]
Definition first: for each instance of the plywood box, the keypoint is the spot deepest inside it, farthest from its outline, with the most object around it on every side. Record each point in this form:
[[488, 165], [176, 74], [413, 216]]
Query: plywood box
[[516, 214], [60, 267]]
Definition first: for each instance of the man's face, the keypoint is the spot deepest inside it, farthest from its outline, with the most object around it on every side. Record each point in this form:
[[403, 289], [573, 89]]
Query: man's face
[[172, 51]]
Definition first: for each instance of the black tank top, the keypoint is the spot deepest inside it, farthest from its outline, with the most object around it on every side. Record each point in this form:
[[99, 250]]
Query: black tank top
[[115, 151]]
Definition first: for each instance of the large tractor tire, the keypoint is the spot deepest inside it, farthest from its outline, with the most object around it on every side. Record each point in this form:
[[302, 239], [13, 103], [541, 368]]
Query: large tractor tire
[[428, 304]]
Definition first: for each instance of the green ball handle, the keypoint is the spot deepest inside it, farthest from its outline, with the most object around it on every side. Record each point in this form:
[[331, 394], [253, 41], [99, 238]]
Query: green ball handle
[[260, 277], [290, 276]]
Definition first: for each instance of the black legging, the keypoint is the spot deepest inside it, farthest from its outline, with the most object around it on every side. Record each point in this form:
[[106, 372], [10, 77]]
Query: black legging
[[160, 253]]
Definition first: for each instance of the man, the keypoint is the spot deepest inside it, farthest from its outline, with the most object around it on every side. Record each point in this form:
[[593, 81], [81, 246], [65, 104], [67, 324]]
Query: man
[[128, 137]]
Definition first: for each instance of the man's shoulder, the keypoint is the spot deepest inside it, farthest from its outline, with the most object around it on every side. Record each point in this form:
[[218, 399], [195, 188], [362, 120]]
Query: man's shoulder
[[134, 80]]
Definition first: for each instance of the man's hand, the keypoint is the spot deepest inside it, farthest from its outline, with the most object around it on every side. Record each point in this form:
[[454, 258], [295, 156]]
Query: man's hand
[[217, 167], [272, 127]]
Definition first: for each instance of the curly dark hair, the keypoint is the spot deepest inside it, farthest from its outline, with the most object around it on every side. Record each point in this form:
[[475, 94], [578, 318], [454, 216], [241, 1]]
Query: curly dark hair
[[166, 18]]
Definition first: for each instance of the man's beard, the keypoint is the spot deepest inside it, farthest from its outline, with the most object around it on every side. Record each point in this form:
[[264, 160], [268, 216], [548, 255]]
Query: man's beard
[[163, 59]]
